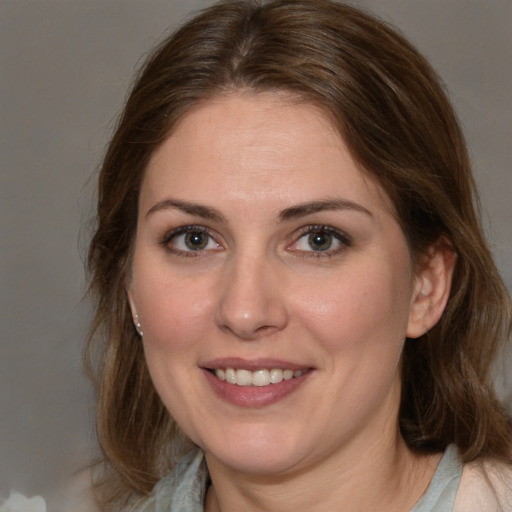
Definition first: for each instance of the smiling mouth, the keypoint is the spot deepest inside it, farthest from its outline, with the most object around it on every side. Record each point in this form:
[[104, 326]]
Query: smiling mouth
[[259, 378]]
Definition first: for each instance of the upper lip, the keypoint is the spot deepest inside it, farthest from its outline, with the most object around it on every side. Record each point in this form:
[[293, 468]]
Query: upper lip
[[252, 364]]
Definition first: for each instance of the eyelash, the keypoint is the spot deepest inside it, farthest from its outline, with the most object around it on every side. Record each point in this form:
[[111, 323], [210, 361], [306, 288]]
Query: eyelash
[[183, 230], [341, 237]]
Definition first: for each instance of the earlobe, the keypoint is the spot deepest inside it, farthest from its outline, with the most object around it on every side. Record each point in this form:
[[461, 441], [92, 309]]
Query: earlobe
[[432, 288], [129, 294], [133, 308]]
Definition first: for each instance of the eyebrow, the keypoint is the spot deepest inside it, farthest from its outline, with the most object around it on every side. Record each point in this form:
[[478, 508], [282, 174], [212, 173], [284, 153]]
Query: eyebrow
[[293, 212], [206, 212], [304, 209]]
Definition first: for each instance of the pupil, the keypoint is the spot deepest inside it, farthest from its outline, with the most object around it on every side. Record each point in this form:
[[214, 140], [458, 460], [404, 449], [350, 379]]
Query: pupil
[[320, 241], [196, 240]]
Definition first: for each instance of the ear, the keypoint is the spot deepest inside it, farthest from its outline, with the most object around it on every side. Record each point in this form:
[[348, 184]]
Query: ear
[[431, 288], [130, 296], [133, 308]]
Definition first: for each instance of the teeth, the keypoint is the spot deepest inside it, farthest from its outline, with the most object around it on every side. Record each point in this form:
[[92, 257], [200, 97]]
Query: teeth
[[276, 376], [230, 375], [243, 377], [258, 378]]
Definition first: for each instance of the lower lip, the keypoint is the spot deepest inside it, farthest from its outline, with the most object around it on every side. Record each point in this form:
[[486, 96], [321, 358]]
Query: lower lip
[[254, 396]]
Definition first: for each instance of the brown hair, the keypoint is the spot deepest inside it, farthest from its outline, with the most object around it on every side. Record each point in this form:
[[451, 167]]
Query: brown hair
[[391, 110]]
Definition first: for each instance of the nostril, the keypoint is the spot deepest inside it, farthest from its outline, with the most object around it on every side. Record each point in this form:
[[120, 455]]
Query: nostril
[[265, 330], [249, 333]]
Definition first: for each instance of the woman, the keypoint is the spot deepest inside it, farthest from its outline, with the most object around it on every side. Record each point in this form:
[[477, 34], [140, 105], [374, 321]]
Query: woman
[[298, 305]]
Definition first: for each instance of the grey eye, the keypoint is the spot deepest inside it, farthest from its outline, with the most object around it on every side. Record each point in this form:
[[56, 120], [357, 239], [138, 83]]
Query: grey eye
[[196, 240], [191, 239], [320, 241]]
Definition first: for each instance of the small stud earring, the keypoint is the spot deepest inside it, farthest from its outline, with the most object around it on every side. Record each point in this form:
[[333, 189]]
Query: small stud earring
[[138, 326]]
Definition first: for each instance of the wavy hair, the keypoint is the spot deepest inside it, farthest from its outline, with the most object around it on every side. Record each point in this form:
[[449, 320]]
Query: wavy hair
[[393, 113]]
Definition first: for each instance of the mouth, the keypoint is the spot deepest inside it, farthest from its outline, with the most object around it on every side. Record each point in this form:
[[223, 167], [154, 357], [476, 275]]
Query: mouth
[[254, 383], [259, 378]]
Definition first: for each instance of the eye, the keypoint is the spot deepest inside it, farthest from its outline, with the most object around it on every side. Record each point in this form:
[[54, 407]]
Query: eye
[[190, 239], [320, 239]]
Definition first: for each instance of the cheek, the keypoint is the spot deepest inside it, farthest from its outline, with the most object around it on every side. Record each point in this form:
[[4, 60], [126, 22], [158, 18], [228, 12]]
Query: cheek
[[360, 325], [366, 308], [173, 311], [173, 317]]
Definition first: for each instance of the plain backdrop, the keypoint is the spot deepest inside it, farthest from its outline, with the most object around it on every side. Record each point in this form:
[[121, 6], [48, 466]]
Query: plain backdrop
[[65, 66]]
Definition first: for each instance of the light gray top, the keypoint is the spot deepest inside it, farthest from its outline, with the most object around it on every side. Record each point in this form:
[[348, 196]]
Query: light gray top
[[184, 489], [440, 494]]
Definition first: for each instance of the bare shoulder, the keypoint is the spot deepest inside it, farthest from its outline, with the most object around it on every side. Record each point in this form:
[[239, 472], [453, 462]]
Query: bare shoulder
[[485, 486]]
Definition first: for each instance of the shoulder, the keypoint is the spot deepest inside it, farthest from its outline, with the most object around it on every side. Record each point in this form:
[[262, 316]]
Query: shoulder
[[485, 486]]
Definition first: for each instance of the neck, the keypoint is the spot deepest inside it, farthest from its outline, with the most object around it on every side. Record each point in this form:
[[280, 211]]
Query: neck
[[386, 477]]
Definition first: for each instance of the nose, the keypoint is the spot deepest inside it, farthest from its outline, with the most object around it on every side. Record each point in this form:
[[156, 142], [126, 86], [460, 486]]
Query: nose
[[251, 302]]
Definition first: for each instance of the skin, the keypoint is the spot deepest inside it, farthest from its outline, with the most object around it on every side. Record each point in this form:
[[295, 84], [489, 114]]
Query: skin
[[260, 289]]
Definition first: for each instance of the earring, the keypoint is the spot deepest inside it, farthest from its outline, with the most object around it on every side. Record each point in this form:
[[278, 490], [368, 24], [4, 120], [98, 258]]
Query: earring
[[138, 326]]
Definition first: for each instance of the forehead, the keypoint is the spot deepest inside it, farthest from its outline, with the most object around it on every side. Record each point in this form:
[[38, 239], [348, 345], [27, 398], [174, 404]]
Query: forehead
[[253, 119], [249, 144]]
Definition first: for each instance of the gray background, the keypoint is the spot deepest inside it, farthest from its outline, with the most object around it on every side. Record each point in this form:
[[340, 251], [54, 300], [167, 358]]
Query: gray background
[[65, 67]]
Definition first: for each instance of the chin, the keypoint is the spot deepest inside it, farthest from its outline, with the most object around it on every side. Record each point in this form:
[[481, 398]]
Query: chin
[[263, 464], [256, 451]]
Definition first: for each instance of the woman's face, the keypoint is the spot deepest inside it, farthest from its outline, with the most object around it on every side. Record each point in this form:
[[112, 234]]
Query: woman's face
[[264, 253]]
